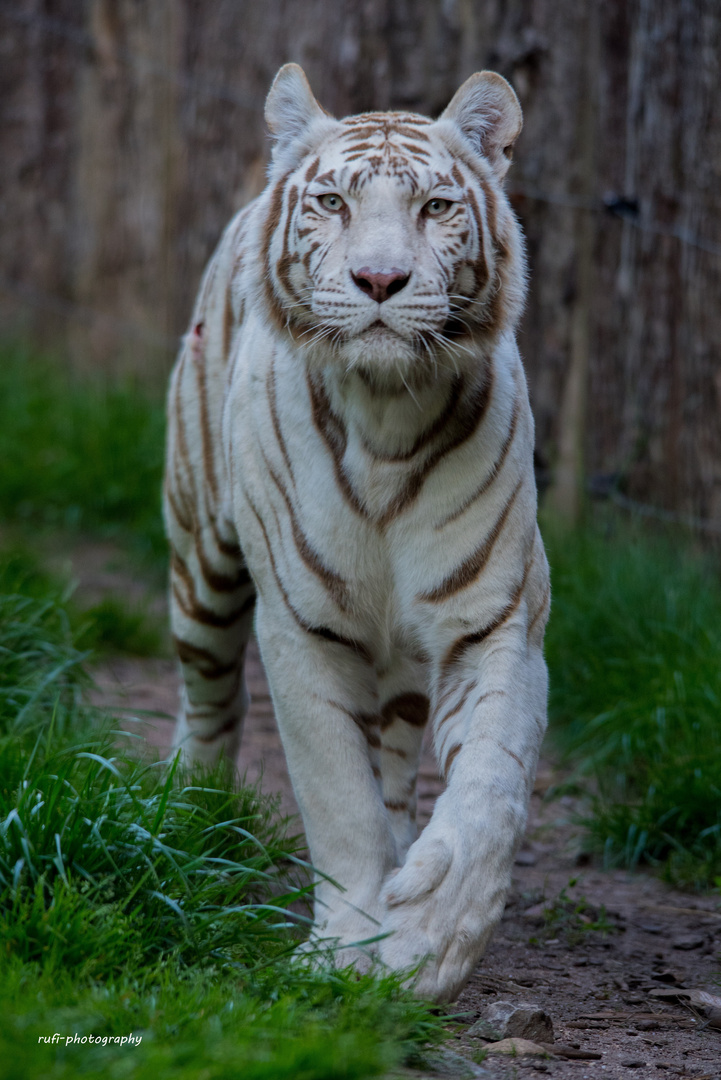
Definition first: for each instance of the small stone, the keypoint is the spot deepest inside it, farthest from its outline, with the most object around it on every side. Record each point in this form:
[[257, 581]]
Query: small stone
[[517, 1047], [525, 858], [632, 1063], [688, 941], [536, 911], [454, 1066], [647, 1025], [504, 1020]]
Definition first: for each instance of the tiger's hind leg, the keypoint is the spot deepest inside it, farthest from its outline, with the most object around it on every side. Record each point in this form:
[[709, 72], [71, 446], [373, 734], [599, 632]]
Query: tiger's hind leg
[[211, 609], [403, 718]]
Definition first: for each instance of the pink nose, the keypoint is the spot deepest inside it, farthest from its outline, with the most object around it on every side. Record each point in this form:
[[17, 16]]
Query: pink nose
[[380, 284]]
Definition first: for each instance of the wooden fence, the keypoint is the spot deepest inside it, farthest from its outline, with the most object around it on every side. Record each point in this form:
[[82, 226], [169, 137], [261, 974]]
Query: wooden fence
[[130, 131]]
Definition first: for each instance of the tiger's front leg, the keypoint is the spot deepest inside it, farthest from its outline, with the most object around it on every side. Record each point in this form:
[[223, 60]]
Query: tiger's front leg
[[325, 699], [489, 719]]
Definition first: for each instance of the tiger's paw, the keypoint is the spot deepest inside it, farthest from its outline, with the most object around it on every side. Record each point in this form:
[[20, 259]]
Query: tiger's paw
[[325, 954], [441, 908]]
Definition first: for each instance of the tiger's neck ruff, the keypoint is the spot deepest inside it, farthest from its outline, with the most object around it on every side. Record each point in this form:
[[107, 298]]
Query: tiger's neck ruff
[[350, 453]]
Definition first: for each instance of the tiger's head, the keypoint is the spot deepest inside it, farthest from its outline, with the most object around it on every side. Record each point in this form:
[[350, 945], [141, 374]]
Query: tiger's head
[[388, 242]]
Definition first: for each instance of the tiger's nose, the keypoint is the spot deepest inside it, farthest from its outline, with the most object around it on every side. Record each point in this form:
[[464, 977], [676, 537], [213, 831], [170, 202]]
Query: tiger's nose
[[380, 284]]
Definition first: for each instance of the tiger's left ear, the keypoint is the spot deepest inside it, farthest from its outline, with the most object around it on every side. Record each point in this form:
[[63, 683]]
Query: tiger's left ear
[[487, 111], [292, 113]]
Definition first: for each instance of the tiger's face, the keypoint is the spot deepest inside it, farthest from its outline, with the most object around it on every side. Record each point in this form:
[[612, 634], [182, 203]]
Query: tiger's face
[[390, 246]]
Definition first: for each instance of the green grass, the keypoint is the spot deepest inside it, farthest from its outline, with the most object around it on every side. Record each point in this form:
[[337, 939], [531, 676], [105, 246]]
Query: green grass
[[113, 625], [138, 898], [571, 917], [634, 651], [79, 455], [133, 898]]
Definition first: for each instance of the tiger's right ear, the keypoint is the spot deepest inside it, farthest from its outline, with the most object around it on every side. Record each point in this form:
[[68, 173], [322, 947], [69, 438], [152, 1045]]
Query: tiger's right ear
[[292, 114]]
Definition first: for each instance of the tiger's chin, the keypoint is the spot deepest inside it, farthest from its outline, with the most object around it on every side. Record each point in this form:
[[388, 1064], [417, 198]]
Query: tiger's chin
[[383, 358]]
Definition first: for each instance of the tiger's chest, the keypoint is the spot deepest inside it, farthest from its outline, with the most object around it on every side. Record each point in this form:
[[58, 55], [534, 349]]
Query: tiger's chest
[[348, 536]]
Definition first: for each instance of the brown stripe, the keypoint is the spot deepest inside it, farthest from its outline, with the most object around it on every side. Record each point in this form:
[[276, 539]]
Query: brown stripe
[[460, 646], [312, 170], [286, 260], [370, 731], [332, 582], [357, 148], [456, 708], [543, 607], [229, 548], [493, 316], [225, 729], [452, 755], [217, 580], [269, 226], [193, 609], [227, 322], [488, 694], [326, 177], [206, 439], [368, 724], [319, 631], [181, 435], [394, 750], [395, 806], [271, 391], [469, 570], [399, 128], [413, 149], [480, 266], [228, 698], [430, 433], [512, 755], [411, 707], [181, 515], [493, 473], [468, 425], [491, 208], [334, 436], [458, 175], [202, 660]]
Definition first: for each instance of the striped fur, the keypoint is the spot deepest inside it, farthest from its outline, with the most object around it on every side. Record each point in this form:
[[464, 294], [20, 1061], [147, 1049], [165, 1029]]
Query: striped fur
[[350, 465]]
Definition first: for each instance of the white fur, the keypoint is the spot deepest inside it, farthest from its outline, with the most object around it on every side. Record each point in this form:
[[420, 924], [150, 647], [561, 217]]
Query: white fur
[[439, 896]]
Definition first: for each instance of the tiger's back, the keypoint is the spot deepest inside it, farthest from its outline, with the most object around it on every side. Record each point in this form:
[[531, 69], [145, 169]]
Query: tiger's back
[[350, 453]]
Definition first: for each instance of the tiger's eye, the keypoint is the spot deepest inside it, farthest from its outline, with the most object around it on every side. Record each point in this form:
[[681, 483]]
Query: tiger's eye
[[331, 202], [436, 207]]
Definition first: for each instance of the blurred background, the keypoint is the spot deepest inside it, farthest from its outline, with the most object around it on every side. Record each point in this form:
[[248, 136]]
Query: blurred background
[[131, 131]]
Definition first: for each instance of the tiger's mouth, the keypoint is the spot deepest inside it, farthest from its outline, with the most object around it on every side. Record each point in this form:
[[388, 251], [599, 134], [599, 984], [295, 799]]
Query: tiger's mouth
[[380, 328]]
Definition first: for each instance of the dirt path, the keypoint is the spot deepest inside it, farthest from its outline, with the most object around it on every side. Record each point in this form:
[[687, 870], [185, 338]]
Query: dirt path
[[597, 986]]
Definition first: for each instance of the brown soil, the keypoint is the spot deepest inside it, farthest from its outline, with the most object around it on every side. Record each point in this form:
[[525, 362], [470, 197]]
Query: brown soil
[[596, 985]]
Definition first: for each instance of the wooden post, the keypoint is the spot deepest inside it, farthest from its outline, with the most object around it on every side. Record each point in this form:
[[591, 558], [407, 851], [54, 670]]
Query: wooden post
[[566, 495]]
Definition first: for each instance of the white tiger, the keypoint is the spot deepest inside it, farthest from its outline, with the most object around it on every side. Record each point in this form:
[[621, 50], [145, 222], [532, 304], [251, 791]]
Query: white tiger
[[350, 452]]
